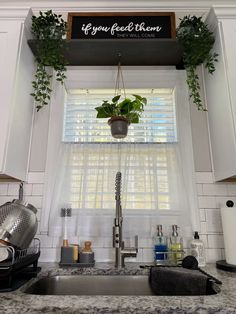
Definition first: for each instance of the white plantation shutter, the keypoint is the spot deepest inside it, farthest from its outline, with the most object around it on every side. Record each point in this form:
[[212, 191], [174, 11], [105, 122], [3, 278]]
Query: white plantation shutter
[[157, 124]]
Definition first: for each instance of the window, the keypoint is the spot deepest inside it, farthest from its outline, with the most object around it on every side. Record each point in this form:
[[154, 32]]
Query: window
[[149, 167], [157, 169], [157, 124]]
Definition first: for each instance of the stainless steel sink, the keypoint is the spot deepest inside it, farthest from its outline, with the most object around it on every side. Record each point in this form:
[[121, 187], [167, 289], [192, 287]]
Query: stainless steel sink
[[91, 285], [98, 285]]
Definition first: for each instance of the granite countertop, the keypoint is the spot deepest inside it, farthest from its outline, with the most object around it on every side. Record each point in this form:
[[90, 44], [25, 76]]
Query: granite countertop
[[19, 302]]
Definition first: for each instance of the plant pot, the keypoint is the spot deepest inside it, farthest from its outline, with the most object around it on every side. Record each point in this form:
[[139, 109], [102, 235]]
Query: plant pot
[[119, 127]]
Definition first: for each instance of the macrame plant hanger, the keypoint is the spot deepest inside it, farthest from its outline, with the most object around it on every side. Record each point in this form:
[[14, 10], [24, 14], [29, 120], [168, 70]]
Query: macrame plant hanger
[[119, 124], [119, 79]]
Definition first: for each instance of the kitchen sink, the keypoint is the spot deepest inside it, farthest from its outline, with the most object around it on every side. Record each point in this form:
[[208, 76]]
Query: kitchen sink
[[92, 285], [99, 285]]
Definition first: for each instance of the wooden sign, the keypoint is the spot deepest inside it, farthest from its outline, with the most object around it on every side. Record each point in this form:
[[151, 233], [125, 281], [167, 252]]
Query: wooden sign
[[121, 25]]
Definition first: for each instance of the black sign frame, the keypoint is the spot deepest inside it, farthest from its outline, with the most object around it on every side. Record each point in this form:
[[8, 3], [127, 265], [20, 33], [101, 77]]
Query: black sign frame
[[126, 25]]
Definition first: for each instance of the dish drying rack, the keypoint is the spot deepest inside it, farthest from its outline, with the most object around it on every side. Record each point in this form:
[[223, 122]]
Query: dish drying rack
[[18, 261]]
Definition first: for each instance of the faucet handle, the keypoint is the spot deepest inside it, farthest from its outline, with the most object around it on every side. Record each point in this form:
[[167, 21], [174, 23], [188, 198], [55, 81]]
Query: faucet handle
[[136, 243]]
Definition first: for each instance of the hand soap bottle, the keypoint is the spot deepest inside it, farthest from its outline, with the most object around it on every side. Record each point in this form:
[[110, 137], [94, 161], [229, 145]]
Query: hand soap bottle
[[197, 250], [160, 245], [176, 246], [86, 256]]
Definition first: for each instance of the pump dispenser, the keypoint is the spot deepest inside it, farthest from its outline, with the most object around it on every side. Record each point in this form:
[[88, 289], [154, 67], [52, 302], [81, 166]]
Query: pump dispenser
[[198, 250], [160, 245], [176, 246]]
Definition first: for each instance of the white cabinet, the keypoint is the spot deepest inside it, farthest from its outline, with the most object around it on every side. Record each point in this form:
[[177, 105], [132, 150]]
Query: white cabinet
[[16, 104], [220, 91]]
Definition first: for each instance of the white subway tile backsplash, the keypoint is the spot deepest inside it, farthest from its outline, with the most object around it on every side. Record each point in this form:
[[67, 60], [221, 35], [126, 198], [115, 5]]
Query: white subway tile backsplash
[[38, 214], [207, 202], [4, 199], [104, 254], [213, 255], [107, 242], [50, 255], [223, 253], [146, 242], [221, 201], [36, 201], [215, 241], [3, 189], [215, 189], [204, 238], [28, 189], [98, 228], [213, 221], [45, 241], [13, 189], [231, 189], [202, 215], [148, 255], [35, 177], [203, 226], [56, 242], [204, 177], [37, 189], [199, 189]]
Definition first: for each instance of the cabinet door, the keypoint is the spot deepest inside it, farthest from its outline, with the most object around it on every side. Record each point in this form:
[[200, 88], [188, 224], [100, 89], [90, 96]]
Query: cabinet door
[[9, 43], [16, 106], [220, 112]]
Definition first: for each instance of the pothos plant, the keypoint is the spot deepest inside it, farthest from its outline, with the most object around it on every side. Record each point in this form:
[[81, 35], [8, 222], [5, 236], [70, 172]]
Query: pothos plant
[[127, 108], [48, 29], [197, 42]]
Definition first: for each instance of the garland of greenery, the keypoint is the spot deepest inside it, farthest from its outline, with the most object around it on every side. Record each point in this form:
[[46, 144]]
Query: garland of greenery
[[197, 41], [48, 29]]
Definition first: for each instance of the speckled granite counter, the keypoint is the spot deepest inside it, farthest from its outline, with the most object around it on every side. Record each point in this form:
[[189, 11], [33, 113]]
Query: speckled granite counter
[[18, 302]]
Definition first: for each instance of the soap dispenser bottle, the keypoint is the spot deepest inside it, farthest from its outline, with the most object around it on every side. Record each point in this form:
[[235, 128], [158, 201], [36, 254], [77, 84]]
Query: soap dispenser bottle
[[197, 250], [160, 245], [176, 246]]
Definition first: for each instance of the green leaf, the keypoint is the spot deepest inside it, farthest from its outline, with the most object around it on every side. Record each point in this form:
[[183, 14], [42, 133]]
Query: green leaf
[[133, 117], [116, 98], [137, 96], [103, 112]]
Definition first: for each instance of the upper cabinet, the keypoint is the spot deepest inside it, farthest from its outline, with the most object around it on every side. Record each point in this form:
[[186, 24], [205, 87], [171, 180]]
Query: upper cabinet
[[16, 106], [220, 91]]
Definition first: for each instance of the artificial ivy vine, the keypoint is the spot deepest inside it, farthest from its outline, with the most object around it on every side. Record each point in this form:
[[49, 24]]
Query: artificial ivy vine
[[197, 42], [48, 29]]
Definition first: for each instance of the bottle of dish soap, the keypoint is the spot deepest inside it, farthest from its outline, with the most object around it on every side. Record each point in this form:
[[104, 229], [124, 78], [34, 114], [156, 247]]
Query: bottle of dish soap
[[176, 246], [160, 245], [198, 250]]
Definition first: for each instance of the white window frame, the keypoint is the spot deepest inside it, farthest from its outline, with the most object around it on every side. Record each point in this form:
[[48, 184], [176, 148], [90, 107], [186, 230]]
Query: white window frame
[[135, 77]]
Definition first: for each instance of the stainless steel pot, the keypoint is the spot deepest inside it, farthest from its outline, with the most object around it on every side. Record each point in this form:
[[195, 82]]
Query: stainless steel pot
[[18, 222]]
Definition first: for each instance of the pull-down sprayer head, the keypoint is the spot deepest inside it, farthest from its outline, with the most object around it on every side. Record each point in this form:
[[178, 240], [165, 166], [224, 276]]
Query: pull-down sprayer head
[[118, 185]]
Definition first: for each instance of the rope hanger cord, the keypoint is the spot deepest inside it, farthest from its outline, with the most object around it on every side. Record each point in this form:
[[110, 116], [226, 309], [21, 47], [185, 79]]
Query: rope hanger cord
[[119, 78]]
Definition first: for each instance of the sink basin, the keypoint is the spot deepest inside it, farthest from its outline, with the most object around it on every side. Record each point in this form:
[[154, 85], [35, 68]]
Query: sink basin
[[97, 285], [91, 285]]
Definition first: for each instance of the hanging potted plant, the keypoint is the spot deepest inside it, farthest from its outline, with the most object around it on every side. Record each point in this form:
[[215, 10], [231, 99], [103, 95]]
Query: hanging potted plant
[[197, 42], [48, 30], [121, 112]]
